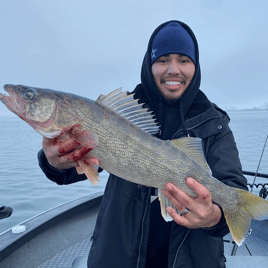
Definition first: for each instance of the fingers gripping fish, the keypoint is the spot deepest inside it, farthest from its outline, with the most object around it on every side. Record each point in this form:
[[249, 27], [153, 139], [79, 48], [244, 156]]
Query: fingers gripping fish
[[87, 141]]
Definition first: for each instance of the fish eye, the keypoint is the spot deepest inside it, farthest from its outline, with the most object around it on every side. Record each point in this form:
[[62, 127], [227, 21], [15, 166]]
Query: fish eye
[[29, 94]]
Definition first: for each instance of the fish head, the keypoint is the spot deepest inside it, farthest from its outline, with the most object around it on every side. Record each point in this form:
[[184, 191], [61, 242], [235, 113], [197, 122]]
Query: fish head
[[49, 112], [28, 103]]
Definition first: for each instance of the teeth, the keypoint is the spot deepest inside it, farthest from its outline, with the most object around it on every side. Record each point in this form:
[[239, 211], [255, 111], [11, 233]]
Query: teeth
[[172, 83]]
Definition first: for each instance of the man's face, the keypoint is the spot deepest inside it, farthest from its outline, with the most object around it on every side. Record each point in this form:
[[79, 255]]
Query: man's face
[[173, 74]]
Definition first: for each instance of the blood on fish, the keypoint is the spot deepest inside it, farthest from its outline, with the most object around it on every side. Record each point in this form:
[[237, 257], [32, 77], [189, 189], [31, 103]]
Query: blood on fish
[[68, 146], [86, 161], [89, 161], [106, 116], [55, 141], [78, 154]]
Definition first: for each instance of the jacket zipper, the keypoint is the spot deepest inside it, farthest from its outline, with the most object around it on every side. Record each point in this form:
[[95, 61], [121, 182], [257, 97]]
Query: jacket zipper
[[138, 191], [200, 123], [142, 223], [179, 248]]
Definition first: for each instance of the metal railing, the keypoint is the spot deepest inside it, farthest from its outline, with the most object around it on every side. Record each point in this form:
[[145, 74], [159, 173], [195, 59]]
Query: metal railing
[[264, 189]]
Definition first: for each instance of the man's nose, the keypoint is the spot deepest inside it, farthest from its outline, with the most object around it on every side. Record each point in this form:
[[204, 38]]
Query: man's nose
[[174, 68]]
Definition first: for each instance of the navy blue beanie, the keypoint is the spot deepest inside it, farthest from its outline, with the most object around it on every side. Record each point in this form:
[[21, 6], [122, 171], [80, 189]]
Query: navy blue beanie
[[172, 39]]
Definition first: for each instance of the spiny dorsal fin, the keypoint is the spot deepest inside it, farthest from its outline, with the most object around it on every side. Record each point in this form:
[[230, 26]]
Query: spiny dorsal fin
[[192, 147], [126, 106], [103, 98]]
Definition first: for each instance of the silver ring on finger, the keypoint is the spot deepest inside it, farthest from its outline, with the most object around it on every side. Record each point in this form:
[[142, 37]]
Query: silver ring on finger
[[185, 211]]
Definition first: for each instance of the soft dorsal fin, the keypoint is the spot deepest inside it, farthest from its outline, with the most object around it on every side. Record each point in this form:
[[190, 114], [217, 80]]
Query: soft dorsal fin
[[192, 147], [126, 106]]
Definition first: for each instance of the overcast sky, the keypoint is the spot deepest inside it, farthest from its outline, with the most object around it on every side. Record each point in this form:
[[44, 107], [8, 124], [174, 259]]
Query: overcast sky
[[93, 47]]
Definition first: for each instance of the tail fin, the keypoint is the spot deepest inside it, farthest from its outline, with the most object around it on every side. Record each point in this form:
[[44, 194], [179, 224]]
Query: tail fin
[[250, 207]]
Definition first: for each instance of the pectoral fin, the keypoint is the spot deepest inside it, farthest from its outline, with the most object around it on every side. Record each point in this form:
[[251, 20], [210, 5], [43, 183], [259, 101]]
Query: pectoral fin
[[87, 138], [89, 166]]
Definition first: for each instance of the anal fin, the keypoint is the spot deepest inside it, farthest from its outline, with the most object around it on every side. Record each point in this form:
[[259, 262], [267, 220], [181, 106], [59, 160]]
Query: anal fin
[[164, 203]]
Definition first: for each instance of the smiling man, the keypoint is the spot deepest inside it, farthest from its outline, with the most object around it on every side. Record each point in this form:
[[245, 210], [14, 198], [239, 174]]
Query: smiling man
[[130, 231]]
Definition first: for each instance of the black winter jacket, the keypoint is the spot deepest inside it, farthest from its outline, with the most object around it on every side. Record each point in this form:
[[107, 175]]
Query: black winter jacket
[[121, 234]]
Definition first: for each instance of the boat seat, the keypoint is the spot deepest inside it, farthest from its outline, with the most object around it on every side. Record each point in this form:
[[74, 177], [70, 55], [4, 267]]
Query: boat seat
[[80, 262]]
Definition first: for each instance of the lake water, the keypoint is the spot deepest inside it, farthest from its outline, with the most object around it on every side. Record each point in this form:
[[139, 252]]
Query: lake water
[[24, 187]]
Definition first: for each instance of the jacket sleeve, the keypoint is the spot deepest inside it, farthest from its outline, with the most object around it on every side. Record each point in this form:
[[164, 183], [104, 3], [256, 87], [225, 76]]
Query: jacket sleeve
[[222, 157], [61, 177]]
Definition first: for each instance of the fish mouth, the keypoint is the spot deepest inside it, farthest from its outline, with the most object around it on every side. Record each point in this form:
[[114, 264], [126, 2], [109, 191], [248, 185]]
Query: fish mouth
[[13, 101], [7, 99]]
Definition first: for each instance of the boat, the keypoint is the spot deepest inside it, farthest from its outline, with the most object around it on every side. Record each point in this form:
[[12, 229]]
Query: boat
[[61, 237]]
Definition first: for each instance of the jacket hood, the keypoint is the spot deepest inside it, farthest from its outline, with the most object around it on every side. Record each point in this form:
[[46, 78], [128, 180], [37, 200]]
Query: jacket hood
[[147, 79], [148, 92]]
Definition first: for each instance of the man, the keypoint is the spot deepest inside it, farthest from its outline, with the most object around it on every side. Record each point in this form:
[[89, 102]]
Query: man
[[130, 231]]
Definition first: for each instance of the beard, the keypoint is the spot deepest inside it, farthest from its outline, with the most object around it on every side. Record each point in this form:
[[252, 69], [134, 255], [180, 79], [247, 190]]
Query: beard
[[172, 102]]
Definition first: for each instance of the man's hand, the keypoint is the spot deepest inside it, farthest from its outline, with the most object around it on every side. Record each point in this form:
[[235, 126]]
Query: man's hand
[[58, 156], [202, 212]]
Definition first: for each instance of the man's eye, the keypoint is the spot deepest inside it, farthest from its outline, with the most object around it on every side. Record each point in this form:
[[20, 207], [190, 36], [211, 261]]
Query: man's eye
[[162, 60], [184, 60]]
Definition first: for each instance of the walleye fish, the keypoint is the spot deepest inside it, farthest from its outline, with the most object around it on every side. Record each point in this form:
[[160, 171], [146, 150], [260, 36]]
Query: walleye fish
[[114, 133]]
